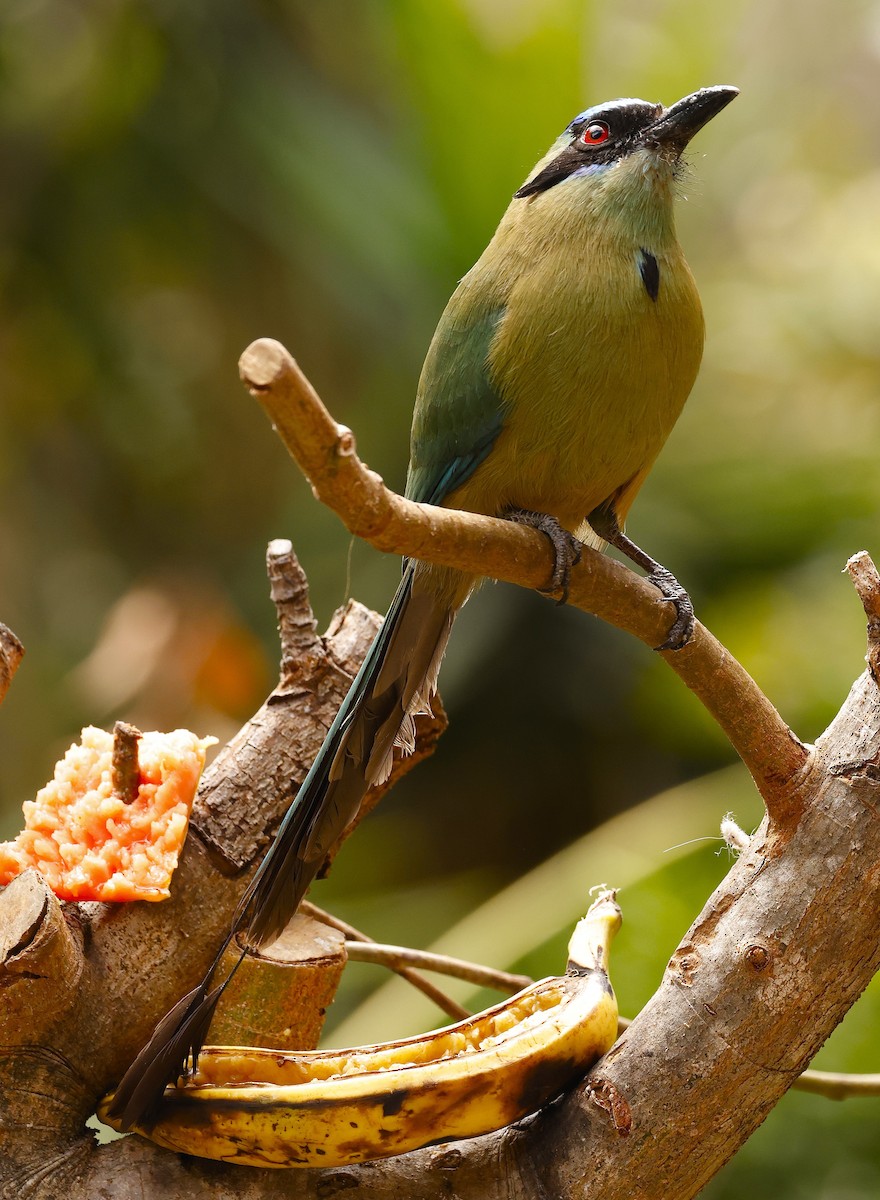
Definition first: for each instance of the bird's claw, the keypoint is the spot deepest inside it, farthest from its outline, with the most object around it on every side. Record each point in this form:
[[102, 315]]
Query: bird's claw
[[566, 548], [682, 629]]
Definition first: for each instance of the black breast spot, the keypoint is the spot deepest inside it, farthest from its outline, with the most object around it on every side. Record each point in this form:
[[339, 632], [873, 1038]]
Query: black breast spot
[[650, 273]]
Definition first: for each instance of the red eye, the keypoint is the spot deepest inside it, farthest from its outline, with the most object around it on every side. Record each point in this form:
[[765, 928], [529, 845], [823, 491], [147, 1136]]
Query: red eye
[[595, 134]]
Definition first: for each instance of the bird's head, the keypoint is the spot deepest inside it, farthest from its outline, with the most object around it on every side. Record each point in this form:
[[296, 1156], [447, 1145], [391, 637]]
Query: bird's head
[[625, 148]]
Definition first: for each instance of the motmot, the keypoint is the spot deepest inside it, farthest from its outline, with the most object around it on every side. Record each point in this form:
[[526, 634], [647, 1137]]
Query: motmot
[[554, 377]]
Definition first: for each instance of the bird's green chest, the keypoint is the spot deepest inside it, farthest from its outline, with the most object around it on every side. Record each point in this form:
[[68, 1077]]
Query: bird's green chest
[[593, 363]]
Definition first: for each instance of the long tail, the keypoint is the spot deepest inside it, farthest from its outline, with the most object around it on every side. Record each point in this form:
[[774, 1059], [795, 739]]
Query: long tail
[[396, 679]]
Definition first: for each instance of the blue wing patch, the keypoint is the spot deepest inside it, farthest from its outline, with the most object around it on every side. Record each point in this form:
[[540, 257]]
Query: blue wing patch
[[458, 413]]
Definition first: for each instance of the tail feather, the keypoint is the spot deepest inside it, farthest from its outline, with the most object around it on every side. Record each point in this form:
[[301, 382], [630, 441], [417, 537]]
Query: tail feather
[[395, 680], [355, 755], [173, 1047]]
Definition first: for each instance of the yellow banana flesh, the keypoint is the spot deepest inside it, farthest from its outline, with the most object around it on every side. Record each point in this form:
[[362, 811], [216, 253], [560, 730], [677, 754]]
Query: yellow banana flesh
[[269, 1108]]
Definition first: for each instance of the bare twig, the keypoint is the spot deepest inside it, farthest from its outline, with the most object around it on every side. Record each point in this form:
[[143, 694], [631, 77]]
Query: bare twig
[[837, 1085], [297, 627], [866, 581], [502, 550], [445, 1003], [126, 768], [403, 956]]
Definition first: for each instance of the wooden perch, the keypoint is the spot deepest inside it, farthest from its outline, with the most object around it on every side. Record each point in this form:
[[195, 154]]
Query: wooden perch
[[767, 970], [325, 451]]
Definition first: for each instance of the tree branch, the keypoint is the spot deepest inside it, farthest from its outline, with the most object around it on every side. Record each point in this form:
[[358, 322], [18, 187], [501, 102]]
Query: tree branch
[[443, 964], [838, 1085], [445, 1003], [866, 581], [325, 452]]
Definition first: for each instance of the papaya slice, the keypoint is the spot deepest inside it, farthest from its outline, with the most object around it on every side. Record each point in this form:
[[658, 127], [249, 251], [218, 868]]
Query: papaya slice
[[92, 844]]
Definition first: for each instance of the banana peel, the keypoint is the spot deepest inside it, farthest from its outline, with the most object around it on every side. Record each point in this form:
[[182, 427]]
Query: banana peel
[[328, 1108]]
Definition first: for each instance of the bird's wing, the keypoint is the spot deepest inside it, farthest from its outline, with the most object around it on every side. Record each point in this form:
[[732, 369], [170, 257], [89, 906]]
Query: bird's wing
[[459, 412]]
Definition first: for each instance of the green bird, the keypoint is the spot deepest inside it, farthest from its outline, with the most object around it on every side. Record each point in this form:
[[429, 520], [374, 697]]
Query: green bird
[[555, 375]]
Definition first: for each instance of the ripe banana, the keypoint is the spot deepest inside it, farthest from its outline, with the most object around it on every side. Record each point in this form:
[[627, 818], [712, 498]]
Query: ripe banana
[[326, 1108]]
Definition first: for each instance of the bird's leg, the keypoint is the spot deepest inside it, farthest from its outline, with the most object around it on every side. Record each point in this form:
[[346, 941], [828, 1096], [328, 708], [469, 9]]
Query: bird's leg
[[604, 522], [566, 547]]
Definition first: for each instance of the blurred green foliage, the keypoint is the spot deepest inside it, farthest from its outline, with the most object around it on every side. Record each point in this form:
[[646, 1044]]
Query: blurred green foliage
[[180, 179]]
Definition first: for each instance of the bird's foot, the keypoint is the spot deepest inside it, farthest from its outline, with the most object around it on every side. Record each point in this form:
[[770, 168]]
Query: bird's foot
[[605, 523], [682, 629], [566, 547]]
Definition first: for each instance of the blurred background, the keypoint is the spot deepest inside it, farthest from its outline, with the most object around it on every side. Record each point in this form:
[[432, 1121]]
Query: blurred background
[[181, 179]]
